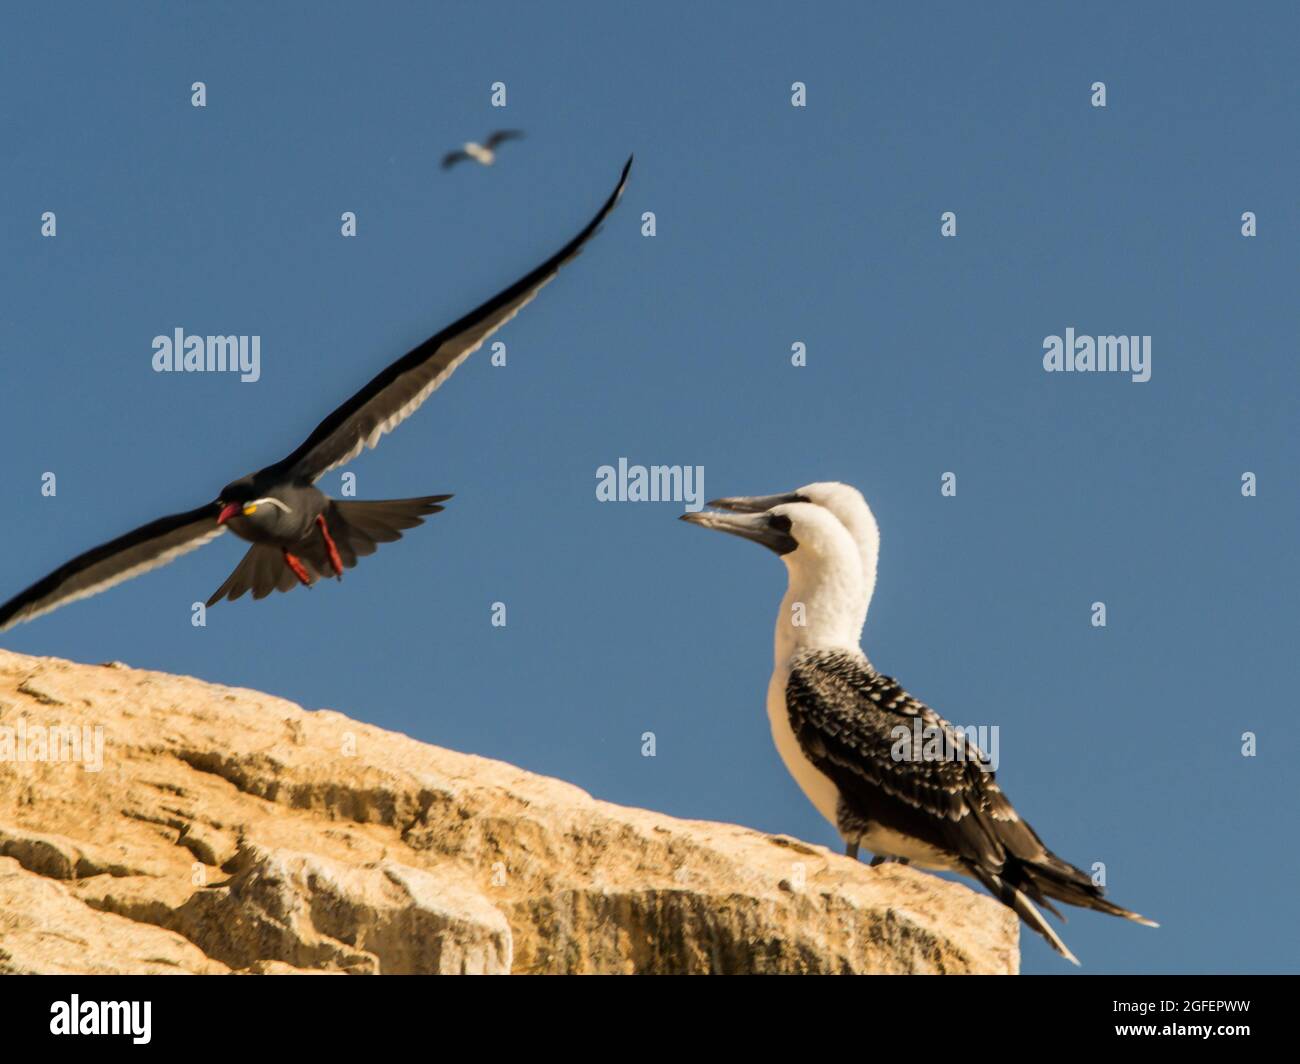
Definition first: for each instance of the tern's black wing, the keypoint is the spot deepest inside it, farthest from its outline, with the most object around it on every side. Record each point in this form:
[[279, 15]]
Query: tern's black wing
[[399, 390], [97, 570]]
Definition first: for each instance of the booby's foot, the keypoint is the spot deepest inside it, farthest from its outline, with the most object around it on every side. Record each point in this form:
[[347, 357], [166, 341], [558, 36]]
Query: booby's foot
[[878, 860], [298, 569], [335, 560]]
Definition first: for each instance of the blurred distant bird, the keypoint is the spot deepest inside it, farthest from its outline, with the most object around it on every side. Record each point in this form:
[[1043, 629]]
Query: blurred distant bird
[[298, 533], [484, 153], [884, 768]]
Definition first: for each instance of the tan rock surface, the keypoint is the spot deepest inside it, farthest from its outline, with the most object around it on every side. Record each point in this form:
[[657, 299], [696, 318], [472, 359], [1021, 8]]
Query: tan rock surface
[[229, 830]]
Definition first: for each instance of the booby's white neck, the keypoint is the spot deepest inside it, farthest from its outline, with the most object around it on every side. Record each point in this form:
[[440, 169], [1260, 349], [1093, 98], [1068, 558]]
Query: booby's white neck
[[825, 604]]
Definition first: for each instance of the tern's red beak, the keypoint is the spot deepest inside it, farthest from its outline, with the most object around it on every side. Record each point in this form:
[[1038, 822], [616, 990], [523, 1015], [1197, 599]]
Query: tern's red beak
[[230, 511]]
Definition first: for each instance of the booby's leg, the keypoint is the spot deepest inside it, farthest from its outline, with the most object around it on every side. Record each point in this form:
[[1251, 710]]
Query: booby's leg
[[851, 850], [298, 570], [335, 560]]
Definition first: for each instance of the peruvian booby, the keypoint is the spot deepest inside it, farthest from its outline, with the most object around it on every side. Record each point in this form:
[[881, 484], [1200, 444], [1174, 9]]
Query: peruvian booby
[[484, 154], [299, 534], [849, 735]]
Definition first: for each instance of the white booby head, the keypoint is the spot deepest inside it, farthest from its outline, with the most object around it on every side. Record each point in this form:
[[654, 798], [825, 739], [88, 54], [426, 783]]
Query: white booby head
[[826, 601], [843, 501]]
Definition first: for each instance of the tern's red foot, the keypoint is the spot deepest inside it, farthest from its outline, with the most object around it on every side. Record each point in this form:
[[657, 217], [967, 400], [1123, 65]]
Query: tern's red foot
[[298, 570], [335, 560]]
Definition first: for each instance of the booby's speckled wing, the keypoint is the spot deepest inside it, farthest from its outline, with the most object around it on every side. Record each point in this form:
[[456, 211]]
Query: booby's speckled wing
[[399, 390], [858, 727], [102, 567]]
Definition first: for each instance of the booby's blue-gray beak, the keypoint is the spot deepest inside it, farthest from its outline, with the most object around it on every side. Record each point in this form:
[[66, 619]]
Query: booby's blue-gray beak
[[755, 504], [771, 530]]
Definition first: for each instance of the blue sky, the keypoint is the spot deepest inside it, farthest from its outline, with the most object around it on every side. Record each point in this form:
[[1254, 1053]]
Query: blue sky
[[774, 225]]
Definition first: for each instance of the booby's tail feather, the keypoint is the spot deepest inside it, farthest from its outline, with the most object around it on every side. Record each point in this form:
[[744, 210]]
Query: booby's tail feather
[[1017, 900], [1054, 878]]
